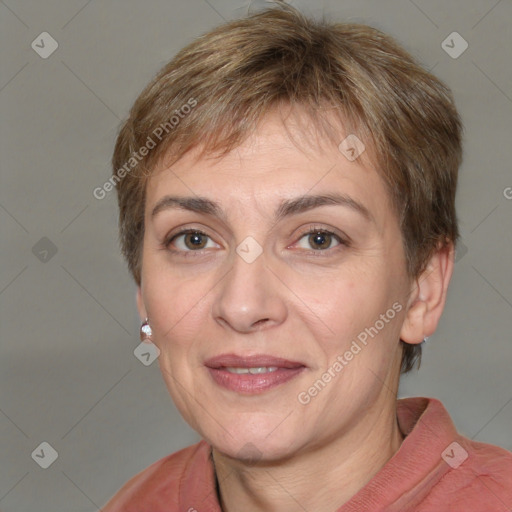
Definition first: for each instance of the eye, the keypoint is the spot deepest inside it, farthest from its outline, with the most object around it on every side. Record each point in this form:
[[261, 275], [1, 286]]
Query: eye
[[190, 240], [320, 240], [194, 241]]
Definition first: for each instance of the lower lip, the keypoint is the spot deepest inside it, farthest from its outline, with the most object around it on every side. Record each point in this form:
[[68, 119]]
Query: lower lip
[[249, 384]]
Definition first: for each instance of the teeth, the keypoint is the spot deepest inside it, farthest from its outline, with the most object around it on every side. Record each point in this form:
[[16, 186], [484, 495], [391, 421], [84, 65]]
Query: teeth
[[253, 371]]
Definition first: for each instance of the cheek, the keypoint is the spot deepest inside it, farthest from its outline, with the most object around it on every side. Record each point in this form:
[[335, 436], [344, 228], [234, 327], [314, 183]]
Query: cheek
[[176, 308], [351, 310], [343, 301]]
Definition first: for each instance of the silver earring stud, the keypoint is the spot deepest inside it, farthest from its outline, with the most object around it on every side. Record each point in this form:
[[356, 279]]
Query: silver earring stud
[[146, 332]]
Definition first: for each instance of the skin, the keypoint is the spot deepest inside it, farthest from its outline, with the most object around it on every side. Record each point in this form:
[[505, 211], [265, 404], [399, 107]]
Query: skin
[[291, 302]]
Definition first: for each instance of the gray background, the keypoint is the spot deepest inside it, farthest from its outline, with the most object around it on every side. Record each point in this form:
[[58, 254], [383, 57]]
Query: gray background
[[69, 326]]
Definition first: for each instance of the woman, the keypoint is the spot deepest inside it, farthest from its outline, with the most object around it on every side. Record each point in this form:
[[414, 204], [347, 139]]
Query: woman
[[287, 210]]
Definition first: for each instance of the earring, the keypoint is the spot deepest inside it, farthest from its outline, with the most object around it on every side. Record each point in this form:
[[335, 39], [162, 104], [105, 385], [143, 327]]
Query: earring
[[146, 332]]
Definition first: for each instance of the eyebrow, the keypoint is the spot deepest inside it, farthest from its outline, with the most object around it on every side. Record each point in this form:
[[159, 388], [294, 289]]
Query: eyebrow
[[286, 208]]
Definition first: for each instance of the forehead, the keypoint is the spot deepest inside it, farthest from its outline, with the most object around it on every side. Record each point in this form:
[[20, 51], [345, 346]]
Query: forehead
[[279, 160]]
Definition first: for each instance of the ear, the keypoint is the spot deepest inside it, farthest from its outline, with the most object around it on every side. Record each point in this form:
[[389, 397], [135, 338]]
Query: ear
[[140, 304], [428, 297]]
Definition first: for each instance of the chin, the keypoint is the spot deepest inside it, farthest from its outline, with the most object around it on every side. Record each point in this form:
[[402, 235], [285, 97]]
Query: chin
[[255, 442]]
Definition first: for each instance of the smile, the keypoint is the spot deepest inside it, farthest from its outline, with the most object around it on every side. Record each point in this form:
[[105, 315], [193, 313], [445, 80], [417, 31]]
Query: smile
[[254, 371]]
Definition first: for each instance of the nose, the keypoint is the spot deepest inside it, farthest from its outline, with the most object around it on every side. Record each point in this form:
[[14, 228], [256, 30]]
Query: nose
[[249, 297]]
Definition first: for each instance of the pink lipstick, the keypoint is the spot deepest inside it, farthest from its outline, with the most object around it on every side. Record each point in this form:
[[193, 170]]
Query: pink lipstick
[[252, 374]]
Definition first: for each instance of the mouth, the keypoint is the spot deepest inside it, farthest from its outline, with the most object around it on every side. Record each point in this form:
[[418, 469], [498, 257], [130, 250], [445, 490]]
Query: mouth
[[252, 374]]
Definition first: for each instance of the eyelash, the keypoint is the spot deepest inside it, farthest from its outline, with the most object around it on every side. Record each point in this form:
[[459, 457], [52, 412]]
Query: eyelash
[[312, 230]]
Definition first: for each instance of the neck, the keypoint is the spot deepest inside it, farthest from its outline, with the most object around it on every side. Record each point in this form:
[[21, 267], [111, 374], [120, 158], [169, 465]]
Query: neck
[[342, 465]]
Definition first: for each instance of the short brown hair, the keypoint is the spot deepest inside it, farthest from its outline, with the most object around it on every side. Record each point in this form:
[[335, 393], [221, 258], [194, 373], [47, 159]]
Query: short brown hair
[[237, 73]]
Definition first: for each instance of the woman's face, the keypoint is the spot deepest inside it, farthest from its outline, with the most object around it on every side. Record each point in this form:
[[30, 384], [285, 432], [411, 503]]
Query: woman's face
[[325, 309]]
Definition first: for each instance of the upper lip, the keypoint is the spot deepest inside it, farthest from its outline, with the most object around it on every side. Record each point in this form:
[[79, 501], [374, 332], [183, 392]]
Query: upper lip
[[253, 361]]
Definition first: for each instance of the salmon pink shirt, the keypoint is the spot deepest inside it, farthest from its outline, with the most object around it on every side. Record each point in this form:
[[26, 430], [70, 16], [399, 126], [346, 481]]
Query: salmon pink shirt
[[434, 470]]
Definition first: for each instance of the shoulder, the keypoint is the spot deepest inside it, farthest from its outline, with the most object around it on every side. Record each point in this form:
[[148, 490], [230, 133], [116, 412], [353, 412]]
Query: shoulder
[[157, 487], [479, 478], [440, 469]]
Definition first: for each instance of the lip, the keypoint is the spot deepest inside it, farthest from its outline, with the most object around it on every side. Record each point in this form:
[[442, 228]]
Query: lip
[[254, 361], [252, 384]]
